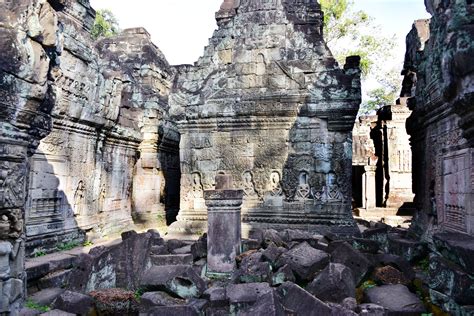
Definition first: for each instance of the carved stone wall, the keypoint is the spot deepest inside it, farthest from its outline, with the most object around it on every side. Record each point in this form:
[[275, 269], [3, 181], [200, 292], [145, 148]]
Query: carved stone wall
[[439, 83], [111, 148], [268, 105], [101, 167]]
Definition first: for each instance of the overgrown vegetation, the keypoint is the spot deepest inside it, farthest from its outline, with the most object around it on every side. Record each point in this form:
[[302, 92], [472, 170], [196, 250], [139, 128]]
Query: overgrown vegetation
[[39, 252], [87, 243], [67, 245], [33, 305], [345, 27], [105, 25]]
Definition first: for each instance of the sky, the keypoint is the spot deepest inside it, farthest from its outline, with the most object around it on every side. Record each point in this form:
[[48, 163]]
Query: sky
[[181, 28]]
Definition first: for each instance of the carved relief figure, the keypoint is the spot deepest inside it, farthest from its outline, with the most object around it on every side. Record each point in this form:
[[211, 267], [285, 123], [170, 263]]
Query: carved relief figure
[[79, 196], [102, 195], [333, 191], [303, 191], [8, 253], [275, 184], [248, 185], [11, 224], [197, 189]]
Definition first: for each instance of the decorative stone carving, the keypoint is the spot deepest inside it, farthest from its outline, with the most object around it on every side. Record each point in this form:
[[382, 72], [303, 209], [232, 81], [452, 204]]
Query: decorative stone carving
[[267, 96], [275, 184], [248, 185], [303, 191], [197, 186]]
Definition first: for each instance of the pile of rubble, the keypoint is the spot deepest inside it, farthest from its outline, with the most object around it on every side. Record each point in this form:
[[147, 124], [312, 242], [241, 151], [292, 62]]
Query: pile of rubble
[[278, 273]]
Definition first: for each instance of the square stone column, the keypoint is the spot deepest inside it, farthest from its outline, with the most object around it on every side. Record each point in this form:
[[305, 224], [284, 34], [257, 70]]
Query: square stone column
[[370, 187], [224, 230]]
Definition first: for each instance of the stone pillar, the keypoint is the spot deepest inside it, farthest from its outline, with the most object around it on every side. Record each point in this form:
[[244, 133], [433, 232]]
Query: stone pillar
[[370, 187], [224, 227]]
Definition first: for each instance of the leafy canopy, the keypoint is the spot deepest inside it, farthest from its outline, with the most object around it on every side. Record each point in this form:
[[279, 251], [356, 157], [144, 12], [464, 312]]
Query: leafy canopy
[[105, 25], [350, 32]]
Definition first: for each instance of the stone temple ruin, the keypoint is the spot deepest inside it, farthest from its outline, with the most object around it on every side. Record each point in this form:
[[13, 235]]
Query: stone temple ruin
[[101, 137], [268, 104]]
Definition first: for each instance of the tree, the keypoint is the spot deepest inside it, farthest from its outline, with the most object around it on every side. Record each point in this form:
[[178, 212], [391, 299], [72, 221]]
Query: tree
[[105, 25], [349, 32]]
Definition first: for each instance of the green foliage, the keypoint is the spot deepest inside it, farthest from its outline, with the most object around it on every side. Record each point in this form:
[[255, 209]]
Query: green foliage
[[87, 243], [33, 305], [67, 245], [38, 252], [350, 32], [367, 284], [424, 264], [138, 294], [105, 25]]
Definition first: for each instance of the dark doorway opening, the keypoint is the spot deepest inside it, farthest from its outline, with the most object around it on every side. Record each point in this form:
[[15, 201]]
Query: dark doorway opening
[[357, 185]]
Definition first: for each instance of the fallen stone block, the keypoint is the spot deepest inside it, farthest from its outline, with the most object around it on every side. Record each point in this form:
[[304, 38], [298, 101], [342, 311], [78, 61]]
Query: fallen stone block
[[169, 260], [333, 284], [47, 296], [298, 301], [181, 281], [272, 253], [177, 310], [339, 310], [396, 299], [284, 274], [365, 245], [216, 296], [368, 309], [411, 250], [254, 273], [304, 261], [353, 259], [449, 279], [271, 236], [76, 303], [267, 304], [241, 296], [152, 299], [458, 248]]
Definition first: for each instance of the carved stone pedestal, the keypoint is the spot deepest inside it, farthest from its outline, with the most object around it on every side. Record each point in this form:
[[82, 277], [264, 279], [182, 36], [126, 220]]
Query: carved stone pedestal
[[224, 233]]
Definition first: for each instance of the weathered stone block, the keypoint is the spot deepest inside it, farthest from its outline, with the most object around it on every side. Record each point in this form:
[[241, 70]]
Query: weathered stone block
[[333, 284], [396, 299], [304, 260], [299, 301], [353, 259], [178, 280]]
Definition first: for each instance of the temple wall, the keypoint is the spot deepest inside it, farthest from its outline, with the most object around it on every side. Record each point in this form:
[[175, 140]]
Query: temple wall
[[268, 105], [439, 86], [85, 134]]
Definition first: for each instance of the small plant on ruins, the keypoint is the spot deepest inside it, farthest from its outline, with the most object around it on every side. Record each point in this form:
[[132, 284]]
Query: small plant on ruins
[[87, 243], [67, 245], [424, 264], [38, 252], [33, 305], [138, 294]]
